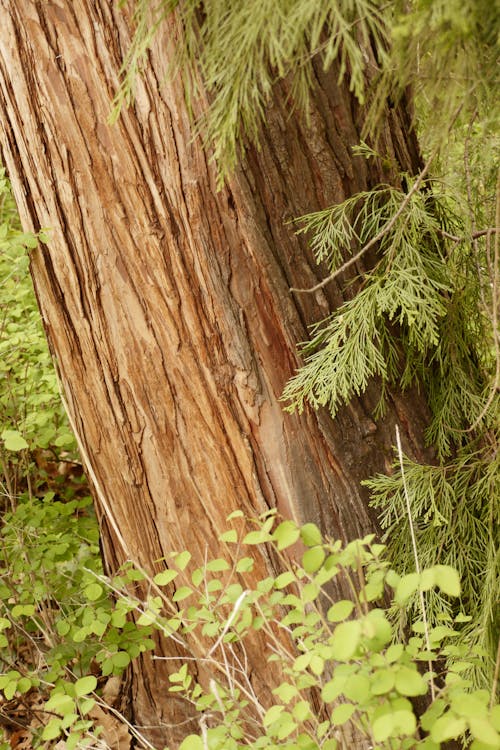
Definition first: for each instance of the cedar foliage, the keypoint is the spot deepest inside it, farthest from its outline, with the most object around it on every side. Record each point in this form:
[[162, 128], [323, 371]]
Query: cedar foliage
[[427, 312]]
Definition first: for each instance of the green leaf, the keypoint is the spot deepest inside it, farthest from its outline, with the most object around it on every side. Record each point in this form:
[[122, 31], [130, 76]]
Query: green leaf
[[447, 579], [333, 688], [85, 685], [191, 742], [285, 692], [218, 565], [182, 593], [182, 559], [483, 731], [165, 577], [284, 579], [406, 587], [410, 682], [235, 514], [61, 704], [24, 684], [342, 713], [448, 727], [229, 537], [286, 534], [358, 688], [257, 537], [245, 565], [340, 610], [394, 724], [313, 559], [382, 681], [310, 535], [345, 640], [272, 715], [121, 659], [52, 729], [301, 711], [14, 441], [93, 592]]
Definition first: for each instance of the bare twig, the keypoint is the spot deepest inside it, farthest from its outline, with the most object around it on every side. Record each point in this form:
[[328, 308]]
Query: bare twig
[[495, 678], [415, 554], [473, 236], [229, 621]]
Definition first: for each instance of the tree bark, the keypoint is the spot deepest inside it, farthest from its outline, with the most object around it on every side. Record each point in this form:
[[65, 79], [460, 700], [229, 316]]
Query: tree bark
[[166, 303]]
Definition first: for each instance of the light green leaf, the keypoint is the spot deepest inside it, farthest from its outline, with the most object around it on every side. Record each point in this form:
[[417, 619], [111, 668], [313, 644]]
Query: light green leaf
[[410, 682], [93, 592], [447, 579], [85, 685], [483, 731], [340, 610], [272, 715], [342, 713], [313, 559], [230, 537], [182, 559], [235, 514], [345, 640], [310, 535], [61, 704], [448, 727], [165, 577], [245, 565], [121, 659], [14, 441], [52, 729], [382, 681], [284, 579], [286, 534], [191, 742], [218, 565], [182, 593], [257, 537], [358, 688], [406, 587]]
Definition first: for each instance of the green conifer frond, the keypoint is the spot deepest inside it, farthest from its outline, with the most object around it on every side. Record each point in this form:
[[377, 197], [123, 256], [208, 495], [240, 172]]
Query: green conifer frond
[[409, 287]]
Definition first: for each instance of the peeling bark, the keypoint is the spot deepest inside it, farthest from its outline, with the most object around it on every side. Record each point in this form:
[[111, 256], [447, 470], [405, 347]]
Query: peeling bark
[[167, 305]]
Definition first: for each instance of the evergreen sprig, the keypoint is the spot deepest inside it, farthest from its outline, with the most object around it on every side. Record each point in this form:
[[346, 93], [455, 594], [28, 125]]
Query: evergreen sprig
[[408, 287]]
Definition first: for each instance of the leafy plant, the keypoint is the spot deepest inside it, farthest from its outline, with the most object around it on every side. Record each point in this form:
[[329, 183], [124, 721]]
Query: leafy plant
[[341, 663], [31, 413]]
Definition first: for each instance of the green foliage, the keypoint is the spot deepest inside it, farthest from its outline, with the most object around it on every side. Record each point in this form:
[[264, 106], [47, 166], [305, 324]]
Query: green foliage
[[58, 625], [407, 287], [337, 663], [447, 51], [31, 413]]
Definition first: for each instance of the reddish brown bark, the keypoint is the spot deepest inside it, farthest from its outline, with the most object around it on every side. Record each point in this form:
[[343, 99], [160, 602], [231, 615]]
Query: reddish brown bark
[[167, 304]]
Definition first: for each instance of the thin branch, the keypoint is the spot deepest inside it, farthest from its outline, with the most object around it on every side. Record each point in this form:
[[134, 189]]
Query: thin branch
[[230, 620], [495, 678], [415, 554], [473, 236]]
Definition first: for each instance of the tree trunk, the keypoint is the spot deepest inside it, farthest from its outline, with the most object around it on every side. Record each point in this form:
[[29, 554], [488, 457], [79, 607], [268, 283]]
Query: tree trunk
[[167, 304]]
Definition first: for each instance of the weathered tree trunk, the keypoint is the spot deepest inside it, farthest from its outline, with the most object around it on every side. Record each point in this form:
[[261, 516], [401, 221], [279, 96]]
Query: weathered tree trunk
[[167, 304]]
